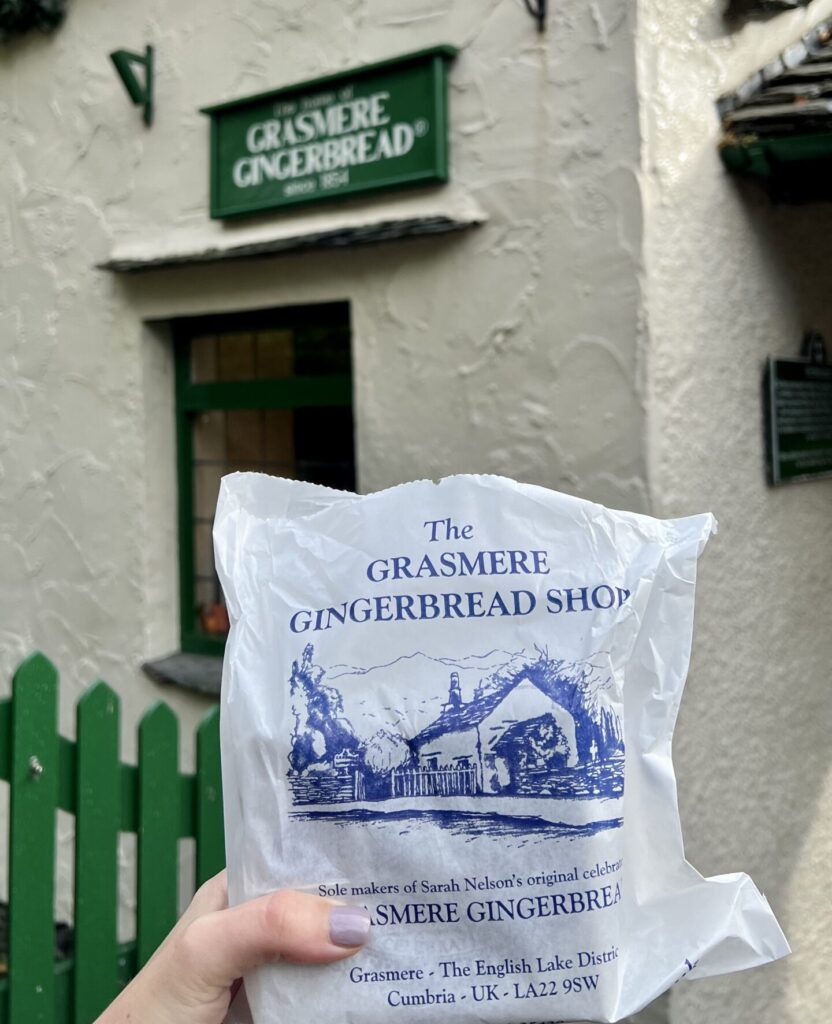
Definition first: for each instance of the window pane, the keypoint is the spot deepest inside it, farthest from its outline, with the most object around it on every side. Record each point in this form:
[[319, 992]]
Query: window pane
[[324, 447], [275, 355], [203, 359], [211, 611], [244, 436], [279, 441], [270, 354], [206, 488], [209, 436], [204, 551], [321, 350], [235, 357]]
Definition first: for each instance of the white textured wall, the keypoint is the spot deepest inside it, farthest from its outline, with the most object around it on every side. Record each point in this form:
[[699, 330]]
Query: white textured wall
[[731, 280], [513, 348]]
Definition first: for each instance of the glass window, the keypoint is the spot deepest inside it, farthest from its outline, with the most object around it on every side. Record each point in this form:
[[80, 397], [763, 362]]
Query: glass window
[[269, 392]]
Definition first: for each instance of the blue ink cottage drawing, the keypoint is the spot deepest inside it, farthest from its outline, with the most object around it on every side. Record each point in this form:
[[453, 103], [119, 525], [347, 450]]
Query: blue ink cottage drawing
[[532, 727]]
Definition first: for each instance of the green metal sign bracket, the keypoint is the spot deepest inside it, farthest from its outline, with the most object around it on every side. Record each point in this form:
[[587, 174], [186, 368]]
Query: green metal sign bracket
[[140, 93]]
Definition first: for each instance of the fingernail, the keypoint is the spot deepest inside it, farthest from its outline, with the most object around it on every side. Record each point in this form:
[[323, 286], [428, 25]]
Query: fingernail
[[349, 926]]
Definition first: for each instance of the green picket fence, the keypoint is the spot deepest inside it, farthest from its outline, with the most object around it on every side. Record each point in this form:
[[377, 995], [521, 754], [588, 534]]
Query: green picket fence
[[47, 772]]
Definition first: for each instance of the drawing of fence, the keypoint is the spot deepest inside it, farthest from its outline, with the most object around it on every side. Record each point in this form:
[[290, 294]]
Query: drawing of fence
[[338, 787], [434, 782]]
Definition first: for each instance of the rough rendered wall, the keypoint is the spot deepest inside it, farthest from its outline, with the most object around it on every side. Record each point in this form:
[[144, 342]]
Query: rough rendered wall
[[512, 348], [731, 280], [472, 352]]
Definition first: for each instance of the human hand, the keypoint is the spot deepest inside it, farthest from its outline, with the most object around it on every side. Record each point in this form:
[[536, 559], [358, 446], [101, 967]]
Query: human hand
[[192, 976]]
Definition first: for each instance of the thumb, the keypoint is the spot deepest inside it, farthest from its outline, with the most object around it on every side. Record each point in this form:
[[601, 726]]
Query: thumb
[[295, 926]]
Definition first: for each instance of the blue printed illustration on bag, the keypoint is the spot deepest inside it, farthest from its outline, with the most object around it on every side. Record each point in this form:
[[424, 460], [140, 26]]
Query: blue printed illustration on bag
[[509, 743]]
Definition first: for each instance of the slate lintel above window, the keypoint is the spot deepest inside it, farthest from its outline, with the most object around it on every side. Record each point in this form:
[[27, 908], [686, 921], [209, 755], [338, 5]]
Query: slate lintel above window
[[397, 217], [201, 673]]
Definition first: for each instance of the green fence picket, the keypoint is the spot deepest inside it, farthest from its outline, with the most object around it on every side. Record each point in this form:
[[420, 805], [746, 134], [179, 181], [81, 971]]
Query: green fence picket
[[86, 778], [210, 845], [98, 811], [160, 812], [33, 806]]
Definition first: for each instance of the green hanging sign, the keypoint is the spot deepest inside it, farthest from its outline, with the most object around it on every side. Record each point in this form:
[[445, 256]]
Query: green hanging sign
[[380, 126], [799, 415]]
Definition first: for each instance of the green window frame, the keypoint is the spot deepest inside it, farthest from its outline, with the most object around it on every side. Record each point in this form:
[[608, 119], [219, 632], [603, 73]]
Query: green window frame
[[300, 391]]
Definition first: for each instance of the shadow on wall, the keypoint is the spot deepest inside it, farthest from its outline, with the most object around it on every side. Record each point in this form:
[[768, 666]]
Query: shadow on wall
[[751, 276], [797, 240], [658, 1012]]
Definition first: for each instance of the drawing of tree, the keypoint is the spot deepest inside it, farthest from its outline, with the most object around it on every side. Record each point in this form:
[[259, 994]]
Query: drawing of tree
[[385, 751], [320, 728]]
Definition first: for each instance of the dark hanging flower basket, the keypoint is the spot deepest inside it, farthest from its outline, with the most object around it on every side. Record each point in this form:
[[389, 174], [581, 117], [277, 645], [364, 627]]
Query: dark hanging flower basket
[[19, 16], [741, 10]]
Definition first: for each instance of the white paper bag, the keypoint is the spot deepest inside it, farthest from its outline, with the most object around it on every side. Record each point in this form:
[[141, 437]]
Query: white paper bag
[[453, 704]]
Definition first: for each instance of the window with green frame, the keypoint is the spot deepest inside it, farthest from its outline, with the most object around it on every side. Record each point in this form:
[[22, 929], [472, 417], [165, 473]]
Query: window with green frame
[[268, 391]]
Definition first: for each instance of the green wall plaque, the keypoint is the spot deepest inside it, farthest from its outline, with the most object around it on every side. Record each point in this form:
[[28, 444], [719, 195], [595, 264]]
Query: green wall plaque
[[799, 394], [379, 126]]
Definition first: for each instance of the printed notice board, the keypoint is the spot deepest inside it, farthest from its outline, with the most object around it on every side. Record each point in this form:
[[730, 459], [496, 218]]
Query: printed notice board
[[380, 126], [799, 420]]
